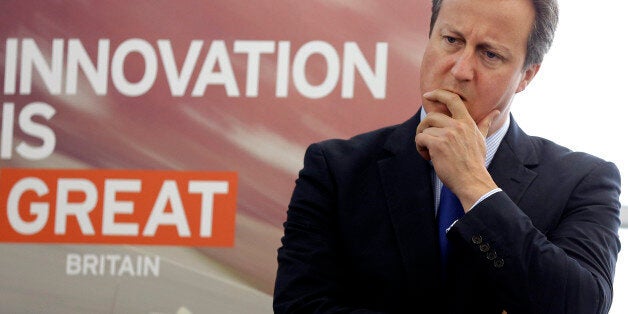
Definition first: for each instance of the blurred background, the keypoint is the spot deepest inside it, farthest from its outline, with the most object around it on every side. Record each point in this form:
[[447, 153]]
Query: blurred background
[[262, 137]]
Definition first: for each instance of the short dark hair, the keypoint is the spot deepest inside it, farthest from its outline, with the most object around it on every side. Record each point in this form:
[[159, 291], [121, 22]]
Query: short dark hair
[[541, 35]]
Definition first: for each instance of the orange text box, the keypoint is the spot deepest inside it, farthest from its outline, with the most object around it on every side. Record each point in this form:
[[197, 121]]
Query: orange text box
[[118, 207]]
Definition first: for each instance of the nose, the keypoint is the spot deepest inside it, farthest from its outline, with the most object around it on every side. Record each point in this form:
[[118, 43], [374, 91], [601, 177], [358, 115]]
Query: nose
[[464, 66]]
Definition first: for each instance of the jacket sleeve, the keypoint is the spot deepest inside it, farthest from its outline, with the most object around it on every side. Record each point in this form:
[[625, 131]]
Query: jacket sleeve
[[309, 276], [567, 269]]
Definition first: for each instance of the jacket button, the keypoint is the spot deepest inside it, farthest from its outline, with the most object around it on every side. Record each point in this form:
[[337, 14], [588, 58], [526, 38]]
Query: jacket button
[[491, 255], [484, 247], [476, 239], [498, 263]]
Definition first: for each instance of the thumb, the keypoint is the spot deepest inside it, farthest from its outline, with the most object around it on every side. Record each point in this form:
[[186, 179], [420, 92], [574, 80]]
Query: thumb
[[485, 124]]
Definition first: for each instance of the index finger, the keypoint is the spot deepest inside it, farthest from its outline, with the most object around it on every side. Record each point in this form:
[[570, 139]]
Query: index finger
[[451, 100]]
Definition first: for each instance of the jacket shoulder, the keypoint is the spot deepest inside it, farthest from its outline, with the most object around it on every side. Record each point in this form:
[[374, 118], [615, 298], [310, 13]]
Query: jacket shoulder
[[365, 144], [553, 153], [349, 157]]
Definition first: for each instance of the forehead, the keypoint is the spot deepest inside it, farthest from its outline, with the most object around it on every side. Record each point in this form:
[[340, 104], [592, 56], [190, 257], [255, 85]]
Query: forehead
[[505, 22]]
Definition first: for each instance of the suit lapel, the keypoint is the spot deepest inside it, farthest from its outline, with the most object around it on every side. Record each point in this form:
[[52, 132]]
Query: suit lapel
[[407, 184], [510, 167]]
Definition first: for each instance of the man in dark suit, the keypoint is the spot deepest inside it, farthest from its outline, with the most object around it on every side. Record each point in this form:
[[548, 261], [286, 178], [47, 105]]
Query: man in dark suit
[[537, 225]]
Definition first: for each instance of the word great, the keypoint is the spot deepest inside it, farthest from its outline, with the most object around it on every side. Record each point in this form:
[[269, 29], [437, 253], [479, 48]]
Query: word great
[[117, 207], [25, 57]]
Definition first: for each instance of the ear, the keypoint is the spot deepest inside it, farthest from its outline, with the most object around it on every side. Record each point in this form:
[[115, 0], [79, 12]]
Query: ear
[[528, 75]]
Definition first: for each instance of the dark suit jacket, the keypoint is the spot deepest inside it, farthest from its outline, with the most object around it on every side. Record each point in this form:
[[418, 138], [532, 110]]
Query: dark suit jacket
[[361, 234]]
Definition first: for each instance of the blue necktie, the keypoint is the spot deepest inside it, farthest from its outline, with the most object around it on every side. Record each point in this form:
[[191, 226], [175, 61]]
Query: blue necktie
[[449, 210]]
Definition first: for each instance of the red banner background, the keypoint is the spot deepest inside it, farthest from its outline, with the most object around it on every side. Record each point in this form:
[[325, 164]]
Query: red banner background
[[260, 134]]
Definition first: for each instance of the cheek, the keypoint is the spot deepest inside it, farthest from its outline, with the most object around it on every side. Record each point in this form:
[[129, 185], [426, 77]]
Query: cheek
[[496, 93], [429, 71]]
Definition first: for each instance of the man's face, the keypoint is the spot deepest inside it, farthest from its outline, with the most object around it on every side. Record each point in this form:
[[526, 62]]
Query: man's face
[[477, 50]]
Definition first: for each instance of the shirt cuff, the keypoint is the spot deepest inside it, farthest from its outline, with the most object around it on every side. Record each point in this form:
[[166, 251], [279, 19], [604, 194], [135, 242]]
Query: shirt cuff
[[485, 196]]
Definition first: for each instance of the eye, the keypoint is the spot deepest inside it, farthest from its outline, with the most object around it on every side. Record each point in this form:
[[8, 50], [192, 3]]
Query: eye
[[451, 40], [491, 55]]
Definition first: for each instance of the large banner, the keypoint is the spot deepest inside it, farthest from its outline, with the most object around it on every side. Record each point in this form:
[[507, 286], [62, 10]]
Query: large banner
[[148, 149]]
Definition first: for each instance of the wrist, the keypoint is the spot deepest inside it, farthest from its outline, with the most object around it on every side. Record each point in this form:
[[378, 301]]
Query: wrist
[[470, 194]]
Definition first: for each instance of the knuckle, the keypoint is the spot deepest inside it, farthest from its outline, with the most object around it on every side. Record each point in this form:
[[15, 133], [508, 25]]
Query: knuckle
[[459, 127]]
